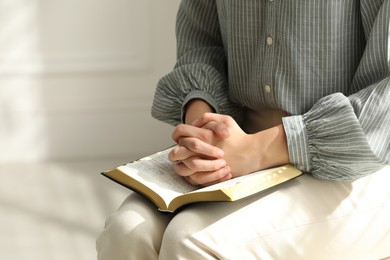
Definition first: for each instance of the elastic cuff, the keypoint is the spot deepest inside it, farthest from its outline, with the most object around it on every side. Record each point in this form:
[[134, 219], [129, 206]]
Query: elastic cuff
[[297, 141], [198, 94]]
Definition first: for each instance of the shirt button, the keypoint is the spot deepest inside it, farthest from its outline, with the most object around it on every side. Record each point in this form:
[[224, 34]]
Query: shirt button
[[270, 40], [267, 89]]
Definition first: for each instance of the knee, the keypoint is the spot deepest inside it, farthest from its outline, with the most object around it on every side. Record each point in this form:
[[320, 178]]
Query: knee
[[183, 239], [123, 230], [131, 234], [176, 234], [176, 239], [124, 225]]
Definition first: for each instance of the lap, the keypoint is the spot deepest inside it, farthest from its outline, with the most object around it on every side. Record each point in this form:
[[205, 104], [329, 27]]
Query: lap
[[304, 218]]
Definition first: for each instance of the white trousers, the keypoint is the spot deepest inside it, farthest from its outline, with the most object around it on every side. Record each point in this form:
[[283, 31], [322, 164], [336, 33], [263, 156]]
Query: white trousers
[[305, 218]]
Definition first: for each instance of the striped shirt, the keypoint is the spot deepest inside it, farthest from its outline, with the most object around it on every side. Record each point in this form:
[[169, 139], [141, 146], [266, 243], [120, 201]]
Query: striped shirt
[[325, 62]]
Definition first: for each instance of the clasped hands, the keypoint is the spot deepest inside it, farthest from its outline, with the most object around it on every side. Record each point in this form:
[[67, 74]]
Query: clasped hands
[[214, 148]]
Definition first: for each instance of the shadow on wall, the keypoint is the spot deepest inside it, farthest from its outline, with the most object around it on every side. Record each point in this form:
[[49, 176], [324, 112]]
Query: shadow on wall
[[77, 84]]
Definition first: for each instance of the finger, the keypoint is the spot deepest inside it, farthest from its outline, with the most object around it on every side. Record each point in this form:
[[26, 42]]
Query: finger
[[184, 130], [208, 117], [209, 178], [201, 165], [202, 148], [179, 153], [182, 170], [192, 165], [220, 129], [189, 180]]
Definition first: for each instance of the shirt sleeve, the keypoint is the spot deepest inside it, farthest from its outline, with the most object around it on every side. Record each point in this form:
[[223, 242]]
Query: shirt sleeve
[[344, 137], [200, 71]]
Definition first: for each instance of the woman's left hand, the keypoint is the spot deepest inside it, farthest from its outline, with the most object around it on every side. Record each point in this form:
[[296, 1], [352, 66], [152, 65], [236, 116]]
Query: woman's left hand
[[241, 150]]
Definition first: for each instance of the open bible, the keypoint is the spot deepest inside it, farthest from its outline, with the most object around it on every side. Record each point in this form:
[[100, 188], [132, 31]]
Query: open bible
[[154, 177]]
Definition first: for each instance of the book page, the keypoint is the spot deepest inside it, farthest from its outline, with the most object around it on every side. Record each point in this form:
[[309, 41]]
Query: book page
[[157, 173]]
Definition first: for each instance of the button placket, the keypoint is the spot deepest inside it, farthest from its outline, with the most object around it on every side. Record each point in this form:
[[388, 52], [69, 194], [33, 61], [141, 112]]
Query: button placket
[[268, 70]]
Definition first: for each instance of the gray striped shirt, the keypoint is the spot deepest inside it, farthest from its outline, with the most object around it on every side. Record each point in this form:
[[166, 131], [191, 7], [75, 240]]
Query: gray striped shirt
[[325, 62]]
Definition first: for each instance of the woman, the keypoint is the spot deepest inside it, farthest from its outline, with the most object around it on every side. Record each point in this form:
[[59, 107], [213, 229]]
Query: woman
[[300, 82]]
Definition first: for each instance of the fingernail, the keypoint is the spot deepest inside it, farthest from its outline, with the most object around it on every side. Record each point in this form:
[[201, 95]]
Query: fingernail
[[222, 163], [224, 132], [220, 153], [195, 122]]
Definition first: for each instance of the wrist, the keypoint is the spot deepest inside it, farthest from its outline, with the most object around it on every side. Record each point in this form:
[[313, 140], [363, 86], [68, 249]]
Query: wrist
[[195, 109], [272, 147]]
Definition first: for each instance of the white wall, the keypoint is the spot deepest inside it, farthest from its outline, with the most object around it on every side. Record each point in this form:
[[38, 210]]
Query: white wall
[[77, 77]]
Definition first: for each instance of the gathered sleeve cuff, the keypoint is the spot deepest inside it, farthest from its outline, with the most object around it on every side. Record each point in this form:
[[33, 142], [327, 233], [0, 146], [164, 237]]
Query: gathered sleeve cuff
[[297, 142], [187, 82], [328, 141]]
